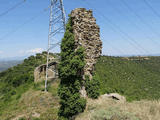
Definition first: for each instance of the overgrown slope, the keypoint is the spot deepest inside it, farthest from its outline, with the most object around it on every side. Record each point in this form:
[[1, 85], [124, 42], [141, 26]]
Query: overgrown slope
[[17, 80], [135, 77]]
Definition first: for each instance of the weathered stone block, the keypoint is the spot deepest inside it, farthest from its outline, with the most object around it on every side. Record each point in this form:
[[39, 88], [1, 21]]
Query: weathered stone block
[[87, 35]]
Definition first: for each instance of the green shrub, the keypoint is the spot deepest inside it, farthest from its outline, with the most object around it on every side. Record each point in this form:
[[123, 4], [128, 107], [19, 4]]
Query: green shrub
[[92, 87], [70, 72], [35, 118], [22, 118]]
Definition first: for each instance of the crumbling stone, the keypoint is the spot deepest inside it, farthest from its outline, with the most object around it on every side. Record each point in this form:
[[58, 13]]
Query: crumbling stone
[[40, 72], [87, 35]]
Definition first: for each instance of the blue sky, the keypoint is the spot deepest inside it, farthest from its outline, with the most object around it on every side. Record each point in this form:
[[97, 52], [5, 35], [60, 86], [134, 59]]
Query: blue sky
[[124, 31]]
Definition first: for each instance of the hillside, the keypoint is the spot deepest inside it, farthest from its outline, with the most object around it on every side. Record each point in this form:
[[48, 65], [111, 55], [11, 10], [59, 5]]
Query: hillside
[[4, 65], [17, 88], [136, 78]]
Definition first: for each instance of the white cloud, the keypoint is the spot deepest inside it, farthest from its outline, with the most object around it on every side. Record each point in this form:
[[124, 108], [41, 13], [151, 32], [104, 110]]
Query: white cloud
[[31, 51], [36, 50]]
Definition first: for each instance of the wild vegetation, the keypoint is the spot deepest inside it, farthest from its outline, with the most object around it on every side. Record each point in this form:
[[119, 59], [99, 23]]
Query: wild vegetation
[[109, 109], [92, 87], [70, 69], [17, 80], [136, 78]]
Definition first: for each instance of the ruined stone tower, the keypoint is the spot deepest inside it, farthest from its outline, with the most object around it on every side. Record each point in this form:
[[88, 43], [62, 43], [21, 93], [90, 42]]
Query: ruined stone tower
[[87, 35]]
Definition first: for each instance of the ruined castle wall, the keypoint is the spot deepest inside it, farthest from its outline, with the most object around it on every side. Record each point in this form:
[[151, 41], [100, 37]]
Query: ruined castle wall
[[87, 35], [40, 72]]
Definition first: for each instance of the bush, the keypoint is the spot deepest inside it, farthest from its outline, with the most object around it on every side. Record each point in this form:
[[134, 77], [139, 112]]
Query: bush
[[70, 72], [92, 87], [22, 118]]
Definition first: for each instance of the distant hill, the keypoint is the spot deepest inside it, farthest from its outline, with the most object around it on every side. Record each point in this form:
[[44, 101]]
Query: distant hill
[[4, 65]]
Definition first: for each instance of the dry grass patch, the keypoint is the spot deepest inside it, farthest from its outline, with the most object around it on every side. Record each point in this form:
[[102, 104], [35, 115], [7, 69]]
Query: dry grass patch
[[109, 109], [35, 103]]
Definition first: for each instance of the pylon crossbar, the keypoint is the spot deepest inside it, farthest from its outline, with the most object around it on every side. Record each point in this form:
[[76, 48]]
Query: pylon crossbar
[[56, 27], [56, 31]]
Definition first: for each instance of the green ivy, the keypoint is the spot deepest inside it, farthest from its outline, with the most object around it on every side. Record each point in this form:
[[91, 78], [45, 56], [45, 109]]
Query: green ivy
[[70, 72]]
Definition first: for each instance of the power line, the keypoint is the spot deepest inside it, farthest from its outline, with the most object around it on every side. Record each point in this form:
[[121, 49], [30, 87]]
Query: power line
[[118, 50], [138, 27], [130, 39], [12, 8], [23, 24], [140, 18], [152, 9], [121, 31]]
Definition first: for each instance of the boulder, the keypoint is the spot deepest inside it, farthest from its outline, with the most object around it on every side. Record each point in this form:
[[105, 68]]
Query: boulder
[[115, 96]]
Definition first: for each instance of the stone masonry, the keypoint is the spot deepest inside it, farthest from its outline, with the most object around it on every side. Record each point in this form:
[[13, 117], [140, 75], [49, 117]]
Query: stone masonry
[[40, 72], [87, 35]]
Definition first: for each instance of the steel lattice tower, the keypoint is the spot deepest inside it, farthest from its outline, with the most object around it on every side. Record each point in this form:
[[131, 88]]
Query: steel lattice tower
[[56, 28]]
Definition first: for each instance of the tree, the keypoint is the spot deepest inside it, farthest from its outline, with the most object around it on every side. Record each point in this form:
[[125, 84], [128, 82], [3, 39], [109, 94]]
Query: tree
[[70, 72]]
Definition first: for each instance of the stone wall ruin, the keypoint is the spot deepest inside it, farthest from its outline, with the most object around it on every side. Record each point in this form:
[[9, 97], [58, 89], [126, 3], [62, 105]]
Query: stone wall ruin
[[87, 35], [40, 72]]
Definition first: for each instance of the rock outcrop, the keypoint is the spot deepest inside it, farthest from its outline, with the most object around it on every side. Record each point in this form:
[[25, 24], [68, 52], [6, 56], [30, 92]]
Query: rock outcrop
[[87, 35], [115, 96]]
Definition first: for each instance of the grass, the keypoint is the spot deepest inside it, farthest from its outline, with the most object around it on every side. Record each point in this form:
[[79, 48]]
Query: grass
[[108, 109], [34, 104], [137, 78], [20, 97]]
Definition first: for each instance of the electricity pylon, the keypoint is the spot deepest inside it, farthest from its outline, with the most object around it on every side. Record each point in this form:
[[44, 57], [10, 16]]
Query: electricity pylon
[[56, 27]]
